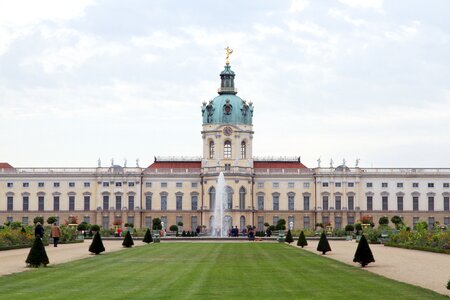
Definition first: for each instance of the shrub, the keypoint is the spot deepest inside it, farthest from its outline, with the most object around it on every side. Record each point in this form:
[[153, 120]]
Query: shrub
[[448, 284], [38, 219], [51, 220], [266, 224], [128, 240], [148, 237], [363, 254], [180, 224], [188, 233], [156, 224], [289, 239], [323, 245], [302, 240], [37, 255], [173, 228], [358, 227], [83, 226], [129, 225], [281, 224], [350, 228], [397, 221], [383, 221], [95, 228], [97, 244]]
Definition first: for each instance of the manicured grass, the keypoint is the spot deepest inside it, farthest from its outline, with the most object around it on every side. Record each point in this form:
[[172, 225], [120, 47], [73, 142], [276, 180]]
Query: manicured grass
[[206, 271]]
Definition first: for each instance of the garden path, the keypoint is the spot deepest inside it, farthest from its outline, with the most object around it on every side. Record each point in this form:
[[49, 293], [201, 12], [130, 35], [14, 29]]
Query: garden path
[[421, 268]]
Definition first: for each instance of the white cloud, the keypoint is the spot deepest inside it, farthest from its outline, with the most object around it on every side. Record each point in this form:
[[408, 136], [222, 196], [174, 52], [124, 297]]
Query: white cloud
[[339, 14], [375, 4], [307, 27], [298, 5], [160, 40]]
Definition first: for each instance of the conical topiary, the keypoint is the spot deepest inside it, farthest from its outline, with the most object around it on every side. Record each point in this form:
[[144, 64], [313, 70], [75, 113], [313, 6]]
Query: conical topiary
[[188, 234], [97, 244], [128, 240], [148, 237], [289, 239], [323, 245], [302, 240], [363, 254], [37, 255], [183, 234]]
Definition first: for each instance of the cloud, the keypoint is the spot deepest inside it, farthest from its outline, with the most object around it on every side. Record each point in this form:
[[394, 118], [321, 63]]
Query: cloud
[[298, 6], [160, 40], [375, 4]]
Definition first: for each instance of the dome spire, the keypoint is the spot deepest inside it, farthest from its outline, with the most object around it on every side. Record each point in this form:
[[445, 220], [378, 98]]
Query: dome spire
[[227, 76]]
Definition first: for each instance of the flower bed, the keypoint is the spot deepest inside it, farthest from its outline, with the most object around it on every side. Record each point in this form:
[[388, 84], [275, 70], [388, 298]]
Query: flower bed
[[435, 240]]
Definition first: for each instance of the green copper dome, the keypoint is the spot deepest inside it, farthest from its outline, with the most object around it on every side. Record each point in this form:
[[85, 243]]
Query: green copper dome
[[227, 108]]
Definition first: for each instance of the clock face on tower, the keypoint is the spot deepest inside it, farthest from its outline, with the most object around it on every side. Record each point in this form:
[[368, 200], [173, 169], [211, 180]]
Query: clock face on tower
[[227, 131]]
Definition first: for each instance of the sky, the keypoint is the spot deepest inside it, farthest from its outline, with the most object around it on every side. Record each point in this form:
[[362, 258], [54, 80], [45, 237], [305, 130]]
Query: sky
[[347, 79]]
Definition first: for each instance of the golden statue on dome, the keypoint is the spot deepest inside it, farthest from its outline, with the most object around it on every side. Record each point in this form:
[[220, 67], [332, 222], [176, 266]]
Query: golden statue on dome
[[228, 51]]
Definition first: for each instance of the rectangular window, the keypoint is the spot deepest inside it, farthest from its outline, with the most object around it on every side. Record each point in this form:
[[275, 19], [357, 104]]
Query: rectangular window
[[9, 203], [194, 202], [118, 183], [369, 184], [105, 184], [118, 202], [40, 184], [306, 222], [276, 185], [26, 202], [179, 202], [275, 220], [325, 220], [130, 202], [325, 202], [384, 203], [41, 202], [400, 203], [87, 203], [415, 184], [56, 203], [350, 184], [369, 203], [260, 223], [276, 202], [163, 202], [431, 185], [384, 184], [26, 184], [305, 202], [71, 184], [148, 184], [179, 185], [130, 184], [163, 184], [260, 202], [306, 185], [194, 184], [399, 184], [446, 185], [71, 202], [105, 222], [351, 203], [87, 219], [415, 221], [148, 202], [105, 202], [194, 223], [430, 223], [25, 221], [290, 185], [148, 222], [55, 184], [291, 222], [415, 203], [87, 184], [446, 221], [290, 202], [260, 185], [130, 220], [9, 219], [337, 184], [338, 203], [351, 219], [430, 203], [325, 184], [338, 222], [10, 184], [446, 204], [227, 167]]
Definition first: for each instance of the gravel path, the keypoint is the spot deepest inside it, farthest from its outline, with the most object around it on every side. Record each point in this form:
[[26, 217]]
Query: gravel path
[[425, 269]]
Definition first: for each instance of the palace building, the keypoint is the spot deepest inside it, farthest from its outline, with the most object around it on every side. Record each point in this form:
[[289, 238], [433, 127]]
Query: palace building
[[258, 190]]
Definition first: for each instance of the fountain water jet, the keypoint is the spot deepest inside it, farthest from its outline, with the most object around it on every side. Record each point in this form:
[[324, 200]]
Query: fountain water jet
[[219, 207]]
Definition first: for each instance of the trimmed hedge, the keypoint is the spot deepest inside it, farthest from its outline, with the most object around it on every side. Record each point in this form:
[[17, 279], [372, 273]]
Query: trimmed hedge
[[411, 247]]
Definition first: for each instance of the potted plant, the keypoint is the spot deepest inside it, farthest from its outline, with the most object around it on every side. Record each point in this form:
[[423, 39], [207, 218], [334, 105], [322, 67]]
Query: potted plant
[[156, 227], [349, 229]]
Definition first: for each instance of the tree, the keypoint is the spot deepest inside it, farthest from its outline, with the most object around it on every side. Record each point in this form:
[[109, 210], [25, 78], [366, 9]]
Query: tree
[[289, 239], [95, 228], [302, 240], [350, 228], [37, 255], [97, 244], [156, 224], [51, 220], [82, 226], [383, 221], [173, 228], [323, 245], [128, 240], [148, 237], [363, 254], [397, 221], [180, 224], [281, 224], [38, 219]]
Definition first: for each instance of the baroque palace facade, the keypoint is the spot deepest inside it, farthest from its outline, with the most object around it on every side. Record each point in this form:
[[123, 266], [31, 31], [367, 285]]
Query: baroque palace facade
[[259, 190]]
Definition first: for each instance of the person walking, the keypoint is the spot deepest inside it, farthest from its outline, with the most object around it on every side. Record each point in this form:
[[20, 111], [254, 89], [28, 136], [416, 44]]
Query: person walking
[[55, 234], [39, 230]]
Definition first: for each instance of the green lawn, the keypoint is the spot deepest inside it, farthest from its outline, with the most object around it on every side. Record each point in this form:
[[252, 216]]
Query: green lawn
[[206, 271]]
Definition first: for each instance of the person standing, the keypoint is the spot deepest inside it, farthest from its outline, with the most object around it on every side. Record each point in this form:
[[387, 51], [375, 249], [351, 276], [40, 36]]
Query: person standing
[[39, 230], [55, 234]]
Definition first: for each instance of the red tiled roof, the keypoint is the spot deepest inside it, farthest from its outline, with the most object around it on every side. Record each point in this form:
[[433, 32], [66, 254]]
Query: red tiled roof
[[5, 166], [176, 165], [278, 165]]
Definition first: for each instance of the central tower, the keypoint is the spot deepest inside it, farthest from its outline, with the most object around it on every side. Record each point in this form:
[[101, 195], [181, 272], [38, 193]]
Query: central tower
[[227, 128]]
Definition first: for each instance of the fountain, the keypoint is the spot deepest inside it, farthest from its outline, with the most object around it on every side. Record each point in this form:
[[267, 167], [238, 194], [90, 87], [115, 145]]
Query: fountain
[[219, 205]]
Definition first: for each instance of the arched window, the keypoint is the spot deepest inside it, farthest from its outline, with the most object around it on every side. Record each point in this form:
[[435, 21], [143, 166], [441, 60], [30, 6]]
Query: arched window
[[243, 150], [212, 198], [211, 149], [242, 198], [229, 204], [227, 149]]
